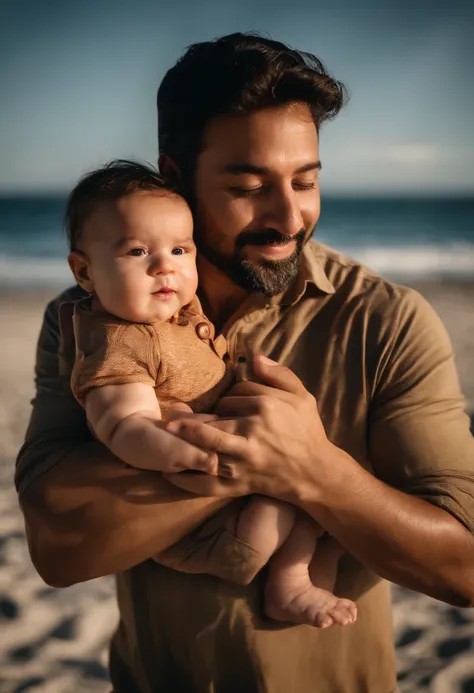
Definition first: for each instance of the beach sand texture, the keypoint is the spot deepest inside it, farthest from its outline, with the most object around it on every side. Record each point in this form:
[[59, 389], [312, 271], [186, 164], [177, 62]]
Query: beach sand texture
[[55, 641]]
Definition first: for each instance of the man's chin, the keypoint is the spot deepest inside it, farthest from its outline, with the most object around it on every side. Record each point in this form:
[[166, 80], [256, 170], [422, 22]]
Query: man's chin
[[267, 277], [263, 275]]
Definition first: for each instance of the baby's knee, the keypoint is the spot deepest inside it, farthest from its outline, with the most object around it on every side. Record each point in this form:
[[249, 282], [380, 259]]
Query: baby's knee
[[265, 509], [265, 525]]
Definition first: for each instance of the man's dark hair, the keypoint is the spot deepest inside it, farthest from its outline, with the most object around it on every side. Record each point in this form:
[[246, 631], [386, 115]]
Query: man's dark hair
[[117, 179], [236, 74]]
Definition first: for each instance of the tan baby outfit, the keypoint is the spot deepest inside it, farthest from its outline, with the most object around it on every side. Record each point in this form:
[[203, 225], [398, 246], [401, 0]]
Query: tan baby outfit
[[180, 359]]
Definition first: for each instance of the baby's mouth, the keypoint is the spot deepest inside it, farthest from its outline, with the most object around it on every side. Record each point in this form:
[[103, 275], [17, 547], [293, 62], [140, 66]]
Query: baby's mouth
[[165, 293]]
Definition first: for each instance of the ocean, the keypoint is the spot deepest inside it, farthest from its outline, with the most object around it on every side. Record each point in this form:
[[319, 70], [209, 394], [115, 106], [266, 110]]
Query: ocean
[[405, 239]]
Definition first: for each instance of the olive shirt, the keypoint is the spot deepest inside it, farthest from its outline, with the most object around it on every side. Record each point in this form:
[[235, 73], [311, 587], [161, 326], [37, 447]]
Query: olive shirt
[[380, 365]]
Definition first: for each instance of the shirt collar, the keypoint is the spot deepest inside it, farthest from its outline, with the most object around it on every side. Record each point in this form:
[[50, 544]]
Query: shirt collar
[[311, 273]]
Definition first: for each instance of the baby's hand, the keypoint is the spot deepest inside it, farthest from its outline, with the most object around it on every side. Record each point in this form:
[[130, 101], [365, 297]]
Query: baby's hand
[[183, 457], [185, 460]]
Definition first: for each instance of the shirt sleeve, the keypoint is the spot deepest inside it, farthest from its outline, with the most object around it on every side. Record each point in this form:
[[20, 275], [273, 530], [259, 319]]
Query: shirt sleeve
[[419, 433], [57, 424], [111, 353]]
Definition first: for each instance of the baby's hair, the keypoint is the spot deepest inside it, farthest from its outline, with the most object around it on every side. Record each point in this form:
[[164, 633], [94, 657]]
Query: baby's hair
[[113, 181]]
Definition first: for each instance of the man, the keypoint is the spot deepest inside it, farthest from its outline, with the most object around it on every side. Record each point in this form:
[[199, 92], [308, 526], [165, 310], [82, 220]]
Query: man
[[362, 426]]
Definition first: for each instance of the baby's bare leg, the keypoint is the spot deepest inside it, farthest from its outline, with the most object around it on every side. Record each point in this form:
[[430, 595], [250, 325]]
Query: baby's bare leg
[[288, 545], [293, 594], [323, 568], [265, 524]]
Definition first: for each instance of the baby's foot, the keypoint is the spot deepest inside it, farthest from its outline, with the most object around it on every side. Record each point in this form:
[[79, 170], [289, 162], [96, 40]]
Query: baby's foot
[[297, 600]]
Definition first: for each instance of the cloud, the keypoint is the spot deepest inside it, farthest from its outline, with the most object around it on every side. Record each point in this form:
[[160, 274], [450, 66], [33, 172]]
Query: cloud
[[413, 154], [398, 166]]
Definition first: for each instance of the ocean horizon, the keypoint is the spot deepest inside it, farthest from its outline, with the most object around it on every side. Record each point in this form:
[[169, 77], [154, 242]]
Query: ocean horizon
[[402, 237]]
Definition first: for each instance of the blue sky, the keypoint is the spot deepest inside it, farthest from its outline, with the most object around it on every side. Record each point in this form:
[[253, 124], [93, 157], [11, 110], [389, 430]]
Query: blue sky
[[78, 84]]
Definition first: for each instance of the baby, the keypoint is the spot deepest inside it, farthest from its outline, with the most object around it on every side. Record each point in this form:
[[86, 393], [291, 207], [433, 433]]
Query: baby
[[144, 349]]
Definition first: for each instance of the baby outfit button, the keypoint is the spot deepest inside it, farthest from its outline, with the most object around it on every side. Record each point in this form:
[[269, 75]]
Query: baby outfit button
[[202, 330]]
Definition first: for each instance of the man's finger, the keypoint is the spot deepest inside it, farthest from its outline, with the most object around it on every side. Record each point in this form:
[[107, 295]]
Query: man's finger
[[187, 456], [249, 388], [203, 485], [280, 377], [210, 437], [238, 406], [178, 415], [204, 418], [207, 463]]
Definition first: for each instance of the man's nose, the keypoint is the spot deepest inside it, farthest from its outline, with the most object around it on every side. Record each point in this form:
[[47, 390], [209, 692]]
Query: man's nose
[[286, 213]]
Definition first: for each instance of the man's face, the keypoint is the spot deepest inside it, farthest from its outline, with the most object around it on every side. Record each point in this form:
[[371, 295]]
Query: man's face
[[256, 195]]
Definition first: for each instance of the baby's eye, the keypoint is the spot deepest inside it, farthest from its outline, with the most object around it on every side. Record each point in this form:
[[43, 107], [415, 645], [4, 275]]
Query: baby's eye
[[178, 251], [137, 252]]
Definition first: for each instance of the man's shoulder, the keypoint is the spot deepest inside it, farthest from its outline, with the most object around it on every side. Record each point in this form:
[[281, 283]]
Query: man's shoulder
[[391, 318], [74, 293], [354, 281], [50, 330]]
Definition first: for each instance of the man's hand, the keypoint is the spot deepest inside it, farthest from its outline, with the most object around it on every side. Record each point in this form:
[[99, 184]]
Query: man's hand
[[270, 439], [180, 410]]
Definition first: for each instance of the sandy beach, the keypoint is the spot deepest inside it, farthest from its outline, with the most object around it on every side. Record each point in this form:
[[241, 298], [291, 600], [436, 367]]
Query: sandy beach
[[55, 641]]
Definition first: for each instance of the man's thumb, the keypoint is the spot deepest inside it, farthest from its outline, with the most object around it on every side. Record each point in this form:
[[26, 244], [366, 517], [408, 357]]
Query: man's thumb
[[265, 361], [272, 373], [266, 370]]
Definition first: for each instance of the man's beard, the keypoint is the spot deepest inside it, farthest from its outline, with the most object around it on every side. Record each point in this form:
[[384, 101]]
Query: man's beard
[[268, 277]]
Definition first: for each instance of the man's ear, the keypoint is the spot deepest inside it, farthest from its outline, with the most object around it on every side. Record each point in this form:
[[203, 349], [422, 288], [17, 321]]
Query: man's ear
[[169, 170], [79, 265]]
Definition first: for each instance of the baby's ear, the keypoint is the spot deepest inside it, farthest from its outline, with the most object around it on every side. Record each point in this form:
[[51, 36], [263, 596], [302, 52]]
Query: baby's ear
[[79, 265]]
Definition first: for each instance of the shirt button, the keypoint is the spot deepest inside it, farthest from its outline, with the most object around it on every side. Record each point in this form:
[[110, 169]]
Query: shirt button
[[202, 330]]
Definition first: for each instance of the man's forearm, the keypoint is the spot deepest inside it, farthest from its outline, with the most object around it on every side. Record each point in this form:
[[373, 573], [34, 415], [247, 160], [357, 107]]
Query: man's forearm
[[90, 515], [400, 537]]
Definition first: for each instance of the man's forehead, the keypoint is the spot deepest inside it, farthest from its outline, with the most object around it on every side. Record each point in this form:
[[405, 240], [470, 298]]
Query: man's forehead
[[267, 138]]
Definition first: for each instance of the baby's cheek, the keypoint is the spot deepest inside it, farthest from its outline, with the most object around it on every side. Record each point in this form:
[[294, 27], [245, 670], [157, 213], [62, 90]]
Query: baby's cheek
[[103, 286], [123, 294], [190, 281], [131, 285]]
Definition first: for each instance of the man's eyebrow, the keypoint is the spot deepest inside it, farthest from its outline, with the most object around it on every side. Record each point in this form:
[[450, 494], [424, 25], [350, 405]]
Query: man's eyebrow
[[239, 169]]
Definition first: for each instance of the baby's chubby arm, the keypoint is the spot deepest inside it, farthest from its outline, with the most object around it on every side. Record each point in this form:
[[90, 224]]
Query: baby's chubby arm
[[127, 419]]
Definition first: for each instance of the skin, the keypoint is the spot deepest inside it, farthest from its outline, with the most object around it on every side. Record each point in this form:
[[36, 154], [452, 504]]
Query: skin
[[284, 195], [403, 538], [137, 256]]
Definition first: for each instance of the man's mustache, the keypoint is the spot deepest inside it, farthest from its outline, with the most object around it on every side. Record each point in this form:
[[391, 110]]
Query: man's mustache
[[267, 236]]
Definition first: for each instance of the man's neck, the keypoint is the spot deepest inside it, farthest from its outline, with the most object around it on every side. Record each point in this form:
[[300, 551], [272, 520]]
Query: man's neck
[[219, 296]]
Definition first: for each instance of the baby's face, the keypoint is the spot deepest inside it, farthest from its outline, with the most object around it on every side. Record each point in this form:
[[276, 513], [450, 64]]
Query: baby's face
[[142, 257]]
